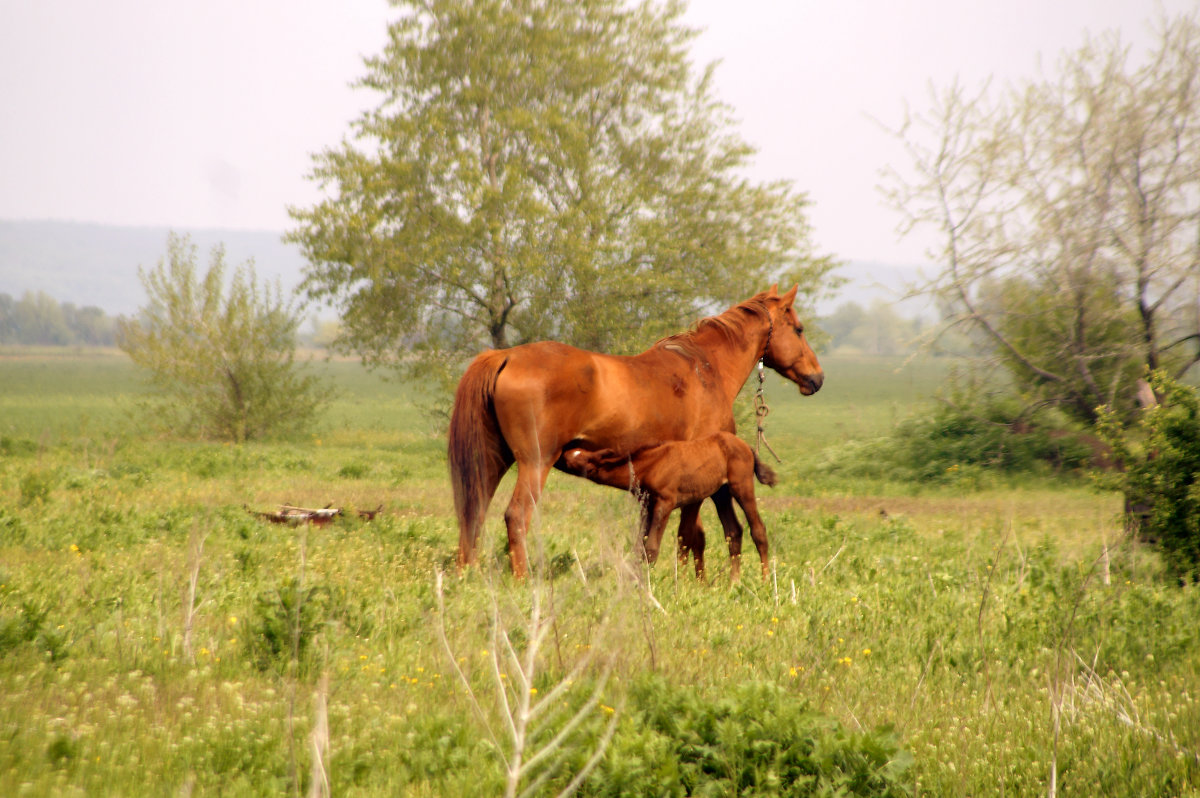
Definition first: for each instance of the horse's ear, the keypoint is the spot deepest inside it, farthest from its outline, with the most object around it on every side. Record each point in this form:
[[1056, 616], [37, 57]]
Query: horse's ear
[[790, 296], [774, 290]]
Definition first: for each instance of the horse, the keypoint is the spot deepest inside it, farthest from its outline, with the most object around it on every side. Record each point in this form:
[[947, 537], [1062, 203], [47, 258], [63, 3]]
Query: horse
[[681, 473], [530, 403]]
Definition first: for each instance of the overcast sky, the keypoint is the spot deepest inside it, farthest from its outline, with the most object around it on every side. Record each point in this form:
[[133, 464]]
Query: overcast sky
[[205, 113]]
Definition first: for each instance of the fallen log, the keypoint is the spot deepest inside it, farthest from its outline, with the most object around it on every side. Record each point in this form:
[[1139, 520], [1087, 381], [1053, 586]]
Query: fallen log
[[290, 514]]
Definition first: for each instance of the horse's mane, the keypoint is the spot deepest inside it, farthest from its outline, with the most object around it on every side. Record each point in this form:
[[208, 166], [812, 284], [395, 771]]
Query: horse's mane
[[731, 325]]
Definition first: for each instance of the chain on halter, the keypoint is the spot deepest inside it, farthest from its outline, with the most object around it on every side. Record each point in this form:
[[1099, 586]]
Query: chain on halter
[[760, 402], [760, 414]]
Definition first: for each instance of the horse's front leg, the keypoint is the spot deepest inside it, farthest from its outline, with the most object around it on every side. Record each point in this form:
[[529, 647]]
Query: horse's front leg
[[691, 537], [531, 478]]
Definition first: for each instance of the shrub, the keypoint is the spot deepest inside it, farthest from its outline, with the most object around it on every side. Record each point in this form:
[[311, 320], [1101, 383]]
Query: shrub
[[17, 447], [284, 624], [1161, 480], [757, 741], [221, 352], [36, 486], [964, 444]]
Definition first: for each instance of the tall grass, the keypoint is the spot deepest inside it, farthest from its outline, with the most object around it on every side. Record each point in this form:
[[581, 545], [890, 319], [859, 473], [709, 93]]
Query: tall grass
[[1010, 639]]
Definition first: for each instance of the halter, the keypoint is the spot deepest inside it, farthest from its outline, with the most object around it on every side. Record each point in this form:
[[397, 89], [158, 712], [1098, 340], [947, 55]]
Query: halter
[[760, 401]]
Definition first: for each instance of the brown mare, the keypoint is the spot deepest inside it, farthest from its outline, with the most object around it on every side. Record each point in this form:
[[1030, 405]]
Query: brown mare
[[530, 403], [681, 473]]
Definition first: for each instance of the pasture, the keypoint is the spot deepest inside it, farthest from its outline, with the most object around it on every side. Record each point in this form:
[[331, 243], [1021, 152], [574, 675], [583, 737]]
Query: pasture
[[158, 639]]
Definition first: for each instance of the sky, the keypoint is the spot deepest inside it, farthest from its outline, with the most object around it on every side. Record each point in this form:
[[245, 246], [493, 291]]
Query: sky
[[191, 114]]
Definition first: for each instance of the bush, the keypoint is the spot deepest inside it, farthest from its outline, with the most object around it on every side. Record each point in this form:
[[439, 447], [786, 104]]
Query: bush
[[962, 445], [757, 741], [285, 623], [1161, 480], [222, 353], [36, 486]]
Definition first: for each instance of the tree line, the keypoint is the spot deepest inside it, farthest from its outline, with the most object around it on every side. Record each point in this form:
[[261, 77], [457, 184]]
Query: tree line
[[39, 319]]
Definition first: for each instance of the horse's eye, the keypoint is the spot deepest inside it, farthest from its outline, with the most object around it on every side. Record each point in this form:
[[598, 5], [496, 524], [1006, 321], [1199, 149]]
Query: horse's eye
[[799, 329]]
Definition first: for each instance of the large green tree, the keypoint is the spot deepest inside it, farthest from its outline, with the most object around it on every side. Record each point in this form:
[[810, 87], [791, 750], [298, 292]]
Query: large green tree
[[1068, 209], [221, 352], [541, 169]]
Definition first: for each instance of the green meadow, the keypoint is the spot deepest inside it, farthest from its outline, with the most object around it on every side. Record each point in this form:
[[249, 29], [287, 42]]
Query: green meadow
[[157, 637]]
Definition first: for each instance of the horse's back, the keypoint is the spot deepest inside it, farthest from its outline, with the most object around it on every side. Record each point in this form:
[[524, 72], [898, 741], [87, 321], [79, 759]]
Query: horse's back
[[550, 394]]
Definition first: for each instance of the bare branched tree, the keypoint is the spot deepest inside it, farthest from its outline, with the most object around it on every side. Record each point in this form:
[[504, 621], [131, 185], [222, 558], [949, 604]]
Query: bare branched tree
[[1068, 213]]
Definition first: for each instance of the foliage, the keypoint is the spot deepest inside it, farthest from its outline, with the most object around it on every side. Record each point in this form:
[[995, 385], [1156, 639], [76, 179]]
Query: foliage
[[285, 622], [36, 486], [970, 445], [1066, 208], [541, 169], [1043, 330], [876, 330], [36, 318], [223, 356], [755, 741], [1161, 477]]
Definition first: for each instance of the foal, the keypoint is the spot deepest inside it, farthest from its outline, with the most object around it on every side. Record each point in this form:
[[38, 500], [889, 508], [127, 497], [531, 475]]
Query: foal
[[680, 473]]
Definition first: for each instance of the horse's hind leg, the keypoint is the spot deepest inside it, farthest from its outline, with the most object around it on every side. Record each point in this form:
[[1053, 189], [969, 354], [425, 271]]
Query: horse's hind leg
[[732, 529], [531, 478], [494, 469]]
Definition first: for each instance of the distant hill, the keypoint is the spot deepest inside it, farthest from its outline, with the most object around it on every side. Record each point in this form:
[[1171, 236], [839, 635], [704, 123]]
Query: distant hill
[[92, 264]]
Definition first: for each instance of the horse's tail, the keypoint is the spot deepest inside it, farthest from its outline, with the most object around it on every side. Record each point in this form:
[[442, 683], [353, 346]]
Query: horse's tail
[[476, 450], [764, 472]]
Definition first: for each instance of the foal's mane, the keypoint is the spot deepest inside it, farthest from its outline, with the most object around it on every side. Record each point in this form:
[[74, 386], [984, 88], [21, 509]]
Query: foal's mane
[[731, 325]]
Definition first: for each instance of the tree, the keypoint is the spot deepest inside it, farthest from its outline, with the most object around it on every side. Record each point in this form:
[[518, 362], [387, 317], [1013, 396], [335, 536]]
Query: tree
[[89, 325], [538, 169], [8, 320], [1069, 210], [39, 319], [1161, 478], [223, 354], [879, 330]]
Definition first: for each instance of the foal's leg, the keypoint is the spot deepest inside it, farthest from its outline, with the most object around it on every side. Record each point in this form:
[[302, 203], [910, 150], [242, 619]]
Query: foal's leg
[[743, 492], [657, 513], [691, 537], [732, 528]]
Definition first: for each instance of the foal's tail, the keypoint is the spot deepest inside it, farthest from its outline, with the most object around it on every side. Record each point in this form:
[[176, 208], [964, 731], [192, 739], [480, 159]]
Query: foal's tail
[[764, 472], [476, 451]]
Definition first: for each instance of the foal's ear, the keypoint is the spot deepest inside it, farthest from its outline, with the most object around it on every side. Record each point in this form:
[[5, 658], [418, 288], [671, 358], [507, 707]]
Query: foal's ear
[[774, 290]]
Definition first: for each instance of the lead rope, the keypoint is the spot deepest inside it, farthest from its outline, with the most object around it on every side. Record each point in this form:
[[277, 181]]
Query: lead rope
[[760, 414]]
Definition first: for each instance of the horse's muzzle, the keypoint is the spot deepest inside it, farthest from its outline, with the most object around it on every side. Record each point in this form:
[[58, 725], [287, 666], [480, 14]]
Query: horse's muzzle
[[811, 384]]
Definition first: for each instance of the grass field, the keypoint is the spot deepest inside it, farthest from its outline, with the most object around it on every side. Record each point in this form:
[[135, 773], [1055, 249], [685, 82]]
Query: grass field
[[158, 639]]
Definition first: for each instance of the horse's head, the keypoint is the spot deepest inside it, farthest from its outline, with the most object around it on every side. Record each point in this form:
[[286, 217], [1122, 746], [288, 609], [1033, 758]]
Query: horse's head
[[787, 351]]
